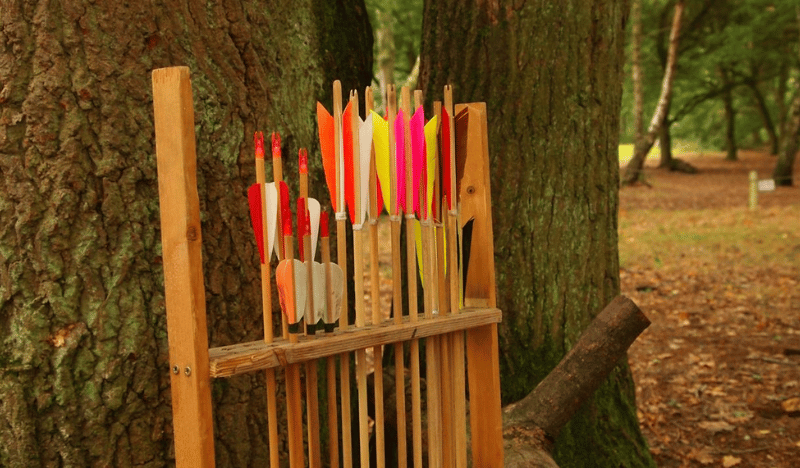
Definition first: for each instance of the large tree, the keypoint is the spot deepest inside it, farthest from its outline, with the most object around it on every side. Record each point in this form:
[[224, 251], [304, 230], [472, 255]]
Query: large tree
[[551, 74], [83, 366]]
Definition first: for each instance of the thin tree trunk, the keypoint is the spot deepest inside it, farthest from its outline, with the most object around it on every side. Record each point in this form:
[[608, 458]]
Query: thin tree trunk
[[769, 126], [780, 101], [665, 144], [384, 36], [638, 88], [730, 117], [84, 368], [634, 168], [554, 132]]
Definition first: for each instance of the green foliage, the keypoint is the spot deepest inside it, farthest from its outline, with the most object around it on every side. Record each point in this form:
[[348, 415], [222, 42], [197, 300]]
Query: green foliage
[[397, 27], [724, 45]]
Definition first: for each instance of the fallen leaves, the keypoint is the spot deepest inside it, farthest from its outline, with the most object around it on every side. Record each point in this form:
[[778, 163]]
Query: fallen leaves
[[714, 383], [792, 405], [716, 426], [729, 460]]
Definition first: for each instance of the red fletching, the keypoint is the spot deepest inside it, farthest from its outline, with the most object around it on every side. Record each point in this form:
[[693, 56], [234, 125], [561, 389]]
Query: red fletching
[[303, 156], [323, 224], [286, 211], [307, 229], [258, 140], [347, 137], [446, 160], [301, 226], [276, 145], [256, 219]]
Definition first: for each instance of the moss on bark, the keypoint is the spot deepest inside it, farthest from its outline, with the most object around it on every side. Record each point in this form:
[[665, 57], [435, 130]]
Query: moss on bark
[[83, 365], [551, 74]]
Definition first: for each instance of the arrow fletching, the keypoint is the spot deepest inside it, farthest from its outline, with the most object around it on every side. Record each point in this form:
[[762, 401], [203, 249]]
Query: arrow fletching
[[347, 139], [365, 147], [400, 163], [417, 125], [446, 159], [430, 160], [327, 145], [256, 219], [313, 219], [380, 140]]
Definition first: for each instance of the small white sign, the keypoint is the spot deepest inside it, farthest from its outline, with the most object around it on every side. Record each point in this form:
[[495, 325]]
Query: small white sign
[[766, 185]]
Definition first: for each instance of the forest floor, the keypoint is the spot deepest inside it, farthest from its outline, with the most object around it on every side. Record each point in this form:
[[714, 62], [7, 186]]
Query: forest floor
[[718, 372]]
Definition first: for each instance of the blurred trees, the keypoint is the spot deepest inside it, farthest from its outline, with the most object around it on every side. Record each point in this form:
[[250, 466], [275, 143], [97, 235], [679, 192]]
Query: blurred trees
[[735, 76]]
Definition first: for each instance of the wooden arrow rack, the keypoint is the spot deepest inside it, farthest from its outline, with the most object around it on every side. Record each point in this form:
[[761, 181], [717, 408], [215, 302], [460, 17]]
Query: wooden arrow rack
[[471, 332]]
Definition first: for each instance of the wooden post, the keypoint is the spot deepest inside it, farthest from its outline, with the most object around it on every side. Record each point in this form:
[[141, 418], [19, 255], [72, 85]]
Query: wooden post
[[483, 360], [183, 268], [753, 202]]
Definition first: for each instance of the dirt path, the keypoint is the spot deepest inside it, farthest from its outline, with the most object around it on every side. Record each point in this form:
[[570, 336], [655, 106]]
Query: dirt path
[[718, 372]]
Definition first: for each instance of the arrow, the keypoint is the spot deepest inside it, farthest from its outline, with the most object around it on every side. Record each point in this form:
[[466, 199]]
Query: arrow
[[257, 197]]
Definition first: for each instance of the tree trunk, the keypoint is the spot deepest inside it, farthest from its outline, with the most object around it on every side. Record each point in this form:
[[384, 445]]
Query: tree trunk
[[784, 167], [636, 62], [780, 100], [551, 75], [665, 145], [384, 36], [730, 117], [84, 365], [642, 147], [769, 126]]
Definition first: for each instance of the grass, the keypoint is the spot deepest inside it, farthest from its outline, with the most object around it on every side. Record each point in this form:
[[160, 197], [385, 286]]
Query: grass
[[678, 147], [710, 236]]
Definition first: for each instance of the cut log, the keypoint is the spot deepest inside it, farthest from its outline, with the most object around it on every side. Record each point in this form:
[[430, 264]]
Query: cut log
[[532, 424]]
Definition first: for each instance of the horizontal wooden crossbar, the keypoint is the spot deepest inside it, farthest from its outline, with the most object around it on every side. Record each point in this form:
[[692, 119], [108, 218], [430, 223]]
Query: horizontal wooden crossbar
[[227, 361]]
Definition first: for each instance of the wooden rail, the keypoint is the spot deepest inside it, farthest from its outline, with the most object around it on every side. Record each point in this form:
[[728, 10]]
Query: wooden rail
[[227, 361]]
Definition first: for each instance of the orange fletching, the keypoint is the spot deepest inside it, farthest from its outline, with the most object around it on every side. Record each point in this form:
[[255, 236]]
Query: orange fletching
[[328, 149]]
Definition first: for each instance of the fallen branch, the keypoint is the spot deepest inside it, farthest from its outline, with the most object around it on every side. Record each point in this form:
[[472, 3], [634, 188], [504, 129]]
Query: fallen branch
[[531, 424]]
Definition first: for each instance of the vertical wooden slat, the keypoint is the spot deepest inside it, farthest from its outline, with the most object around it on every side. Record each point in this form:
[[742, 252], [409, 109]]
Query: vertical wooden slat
[[183, 268], [483, 359]]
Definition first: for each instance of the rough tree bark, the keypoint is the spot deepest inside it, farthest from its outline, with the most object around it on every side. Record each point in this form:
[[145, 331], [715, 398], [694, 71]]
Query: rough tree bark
[[551, 74], [83, 365], [634, 167], [784, 167]]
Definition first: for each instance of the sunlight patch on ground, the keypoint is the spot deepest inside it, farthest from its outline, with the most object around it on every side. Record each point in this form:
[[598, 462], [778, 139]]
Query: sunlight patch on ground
[[678, 147]]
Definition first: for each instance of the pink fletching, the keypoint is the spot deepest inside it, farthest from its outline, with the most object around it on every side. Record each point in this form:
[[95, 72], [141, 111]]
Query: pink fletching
[[400, 162], [417, 125]]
